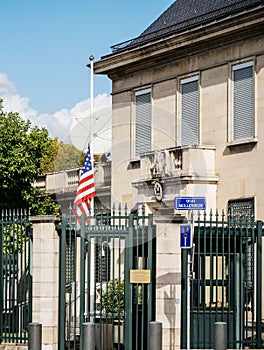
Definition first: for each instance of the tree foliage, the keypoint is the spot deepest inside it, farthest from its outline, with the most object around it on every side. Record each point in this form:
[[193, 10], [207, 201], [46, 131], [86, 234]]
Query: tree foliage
[[48, 159], [113, 299], [68, 157], [22, 148], [26, 152], [61, 156], [14, 238]]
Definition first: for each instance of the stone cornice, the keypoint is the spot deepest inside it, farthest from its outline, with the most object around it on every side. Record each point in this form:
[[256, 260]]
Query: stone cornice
[[179, 180]]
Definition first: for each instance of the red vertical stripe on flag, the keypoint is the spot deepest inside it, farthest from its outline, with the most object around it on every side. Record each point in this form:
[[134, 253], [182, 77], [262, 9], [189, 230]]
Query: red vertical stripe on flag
[[85, 190]]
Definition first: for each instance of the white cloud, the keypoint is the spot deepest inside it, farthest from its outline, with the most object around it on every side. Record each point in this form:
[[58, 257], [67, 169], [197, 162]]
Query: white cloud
[[67, 124], [6, 86], [12, 101]]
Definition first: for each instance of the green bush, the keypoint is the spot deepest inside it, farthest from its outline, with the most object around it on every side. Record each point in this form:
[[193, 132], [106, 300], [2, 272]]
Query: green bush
[[15, 237], [113, 299]]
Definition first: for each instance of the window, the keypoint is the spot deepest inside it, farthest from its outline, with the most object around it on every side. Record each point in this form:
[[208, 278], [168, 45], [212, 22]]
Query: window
[[243, 101], [241, 210], [190, 111], [143, 121]]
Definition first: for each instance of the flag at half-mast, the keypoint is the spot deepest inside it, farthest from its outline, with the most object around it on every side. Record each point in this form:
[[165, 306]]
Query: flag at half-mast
[[85, 190]]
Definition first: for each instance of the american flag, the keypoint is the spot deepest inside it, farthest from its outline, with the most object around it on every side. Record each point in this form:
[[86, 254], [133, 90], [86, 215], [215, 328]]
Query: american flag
[[85, 189]]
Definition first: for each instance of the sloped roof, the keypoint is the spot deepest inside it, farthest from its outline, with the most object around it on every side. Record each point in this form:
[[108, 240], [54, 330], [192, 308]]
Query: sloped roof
[[185, 14]]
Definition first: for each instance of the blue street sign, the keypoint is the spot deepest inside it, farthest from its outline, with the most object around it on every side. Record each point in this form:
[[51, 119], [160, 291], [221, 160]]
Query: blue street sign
[[190, 203], [186, 236]]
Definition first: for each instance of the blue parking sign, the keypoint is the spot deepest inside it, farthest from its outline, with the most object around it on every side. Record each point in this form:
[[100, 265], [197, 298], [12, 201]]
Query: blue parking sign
[[186, 236]]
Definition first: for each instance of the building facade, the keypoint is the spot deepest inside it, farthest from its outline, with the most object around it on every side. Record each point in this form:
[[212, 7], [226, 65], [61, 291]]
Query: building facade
[[190, 86], [188, 103]]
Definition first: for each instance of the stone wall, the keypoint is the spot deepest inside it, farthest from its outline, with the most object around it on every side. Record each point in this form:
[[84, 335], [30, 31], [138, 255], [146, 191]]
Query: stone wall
[[168, 283], [46, 279]]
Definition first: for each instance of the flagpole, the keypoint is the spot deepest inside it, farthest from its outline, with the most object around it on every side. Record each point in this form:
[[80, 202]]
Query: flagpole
[[91, 125], [92, 221]]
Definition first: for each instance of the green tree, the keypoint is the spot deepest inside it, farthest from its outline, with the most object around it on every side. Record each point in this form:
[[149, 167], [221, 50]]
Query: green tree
[[68, 157], [48, 160], [22, 148], [14, 238], [61, 156]]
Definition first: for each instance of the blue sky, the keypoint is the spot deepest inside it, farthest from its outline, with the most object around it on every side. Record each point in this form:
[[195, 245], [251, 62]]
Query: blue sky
[[45, 46]]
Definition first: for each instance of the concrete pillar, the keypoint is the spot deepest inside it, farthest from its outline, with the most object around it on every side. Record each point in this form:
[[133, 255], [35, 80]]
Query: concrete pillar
[[220, 336], [45, 272], [168, 280], [34, 336], [155, 335], [88, 336]]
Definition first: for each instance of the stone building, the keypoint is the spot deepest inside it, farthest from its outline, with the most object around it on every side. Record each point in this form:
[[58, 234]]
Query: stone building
[[187, 106], [198, 71]]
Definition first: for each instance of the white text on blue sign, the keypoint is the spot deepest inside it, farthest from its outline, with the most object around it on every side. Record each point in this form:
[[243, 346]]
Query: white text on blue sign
[[190, 203]]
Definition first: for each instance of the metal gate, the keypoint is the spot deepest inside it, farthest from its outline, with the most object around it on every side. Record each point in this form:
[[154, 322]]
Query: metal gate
[[107, 277], [15, 276], [225, 284]]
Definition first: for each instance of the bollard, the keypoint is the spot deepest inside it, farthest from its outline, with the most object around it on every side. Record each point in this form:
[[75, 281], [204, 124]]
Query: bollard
[[88, 336], [220, 336], [34, 336], [155, 335]]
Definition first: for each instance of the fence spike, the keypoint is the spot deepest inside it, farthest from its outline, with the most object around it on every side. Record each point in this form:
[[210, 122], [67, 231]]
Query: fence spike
[[223, 215], [119, 209], [143, 209], [216, 216]]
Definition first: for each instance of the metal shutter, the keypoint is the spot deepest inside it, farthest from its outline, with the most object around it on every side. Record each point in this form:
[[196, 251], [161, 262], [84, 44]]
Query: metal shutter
[[190, 111], [243, 112], [143, 122]]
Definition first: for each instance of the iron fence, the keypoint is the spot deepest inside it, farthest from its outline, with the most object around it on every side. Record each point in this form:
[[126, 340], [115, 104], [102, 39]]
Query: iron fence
[[226, 282], [99, 254], [15, 276]]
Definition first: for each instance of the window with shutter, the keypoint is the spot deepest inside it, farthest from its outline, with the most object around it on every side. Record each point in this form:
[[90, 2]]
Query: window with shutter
[[190, 111], [243, 101], [143, 121]]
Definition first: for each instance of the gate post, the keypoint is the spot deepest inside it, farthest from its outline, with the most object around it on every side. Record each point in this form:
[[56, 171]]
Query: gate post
[[45, 272], [259, 285]]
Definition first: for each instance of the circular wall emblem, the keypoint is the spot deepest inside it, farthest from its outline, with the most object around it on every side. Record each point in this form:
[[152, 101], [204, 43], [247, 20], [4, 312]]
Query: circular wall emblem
[[158, 191]]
